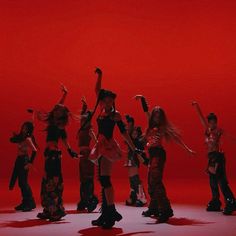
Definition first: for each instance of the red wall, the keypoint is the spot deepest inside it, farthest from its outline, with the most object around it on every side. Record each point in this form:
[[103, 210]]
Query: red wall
[[171, 51]]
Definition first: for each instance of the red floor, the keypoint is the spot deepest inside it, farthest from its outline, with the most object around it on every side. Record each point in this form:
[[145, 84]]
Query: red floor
[[188, 199]]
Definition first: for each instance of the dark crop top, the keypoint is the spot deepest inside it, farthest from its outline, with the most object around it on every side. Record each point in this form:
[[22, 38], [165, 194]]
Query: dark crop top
[[54, 133], [106, 125]]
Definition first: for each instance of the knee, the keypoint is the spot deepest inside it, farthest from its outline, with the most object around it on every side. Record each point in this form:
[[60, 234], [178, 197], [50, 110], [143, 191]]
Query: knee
[[105, 181]]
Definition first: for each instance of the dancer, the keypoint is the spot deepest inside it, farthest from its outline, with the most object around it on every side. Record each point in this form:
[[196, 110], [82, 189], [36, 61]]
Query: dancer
[[159, 128], [216, 164], [137, 195], [25, 142], [107, 151], [87, 198], [52, 182]]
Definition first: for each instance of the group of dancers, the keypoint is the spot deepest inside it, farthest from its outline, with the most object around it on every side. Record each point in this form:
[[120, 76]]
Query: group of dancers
[[103, 151]]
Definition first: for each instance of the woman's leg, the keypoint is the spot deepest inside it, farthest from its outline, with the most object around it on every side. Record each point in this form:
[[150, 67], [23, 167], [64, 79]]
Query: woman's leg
[[158, 191], [27, 196], [215, 203], [109, 214], [13, 180], [134, 182], [230, 203], [52, 189], [87, 198], [137, 194]]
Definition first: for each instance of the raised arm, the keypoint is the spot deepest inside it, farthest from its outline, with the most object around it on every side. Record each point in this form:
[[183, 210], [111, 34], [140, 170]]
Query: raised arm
[[64, 94], [144, 106], [98, 86], [84, 106], [180, 142], [200, 114]]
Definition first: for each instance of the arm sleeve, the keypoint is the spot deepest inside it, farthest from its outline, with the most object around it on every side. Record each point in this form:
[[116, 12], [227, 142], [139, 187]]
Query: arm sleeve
[[16, 139], [121, 126], [144, 104], [33, 155]]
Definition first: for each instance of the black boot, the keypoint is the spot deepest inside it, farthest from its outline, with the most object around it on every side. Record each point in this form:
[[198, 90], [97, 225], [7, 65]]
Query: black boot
[[132, 199], [214, 205], [111, 216], [19, 207], [229, 207], [141, 197], [92, 200], [92, 203], [57, 216], [152, 209], [101, 218], [82, 204], [163, 216], [28, 205], [150, 212], [32, 203], [43, 215], [134, 185]]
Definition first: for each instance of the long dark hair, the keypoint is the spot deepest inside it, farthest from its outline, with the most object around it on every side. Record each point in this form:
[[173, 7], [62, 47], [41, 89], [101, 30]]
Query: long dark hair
[[49, 117], [167, 129], [102, 95], [20, 137]]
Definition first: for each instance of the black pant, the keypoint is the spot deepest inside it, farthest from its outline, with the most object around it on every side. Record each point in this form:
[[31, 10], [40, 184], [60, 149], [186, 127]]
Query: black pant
[[219, 179], [20, 173], [52, 183], [156, 189]]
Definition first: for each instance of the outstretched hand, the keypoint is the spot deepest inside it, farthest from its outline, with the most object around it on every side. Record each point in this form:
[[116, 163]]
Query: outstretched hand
[[138, 96], [194, 103], [83, 100], [72, 153], [63, 88], [98, 71]]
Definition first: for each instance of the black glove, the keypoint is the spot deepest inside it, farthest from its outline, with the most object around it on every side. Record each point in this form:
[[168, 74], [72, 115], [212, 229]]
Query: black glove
[[144, 104], [72, 153], [129, 119], [143, 155], [98, 71], [33, 155]]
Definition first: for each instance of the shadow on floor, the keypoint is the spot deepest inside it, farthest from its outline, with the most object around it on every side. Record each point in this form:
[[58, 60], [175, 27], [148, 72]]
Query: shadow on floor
[[28, 223], [183, 222], [111, 232]]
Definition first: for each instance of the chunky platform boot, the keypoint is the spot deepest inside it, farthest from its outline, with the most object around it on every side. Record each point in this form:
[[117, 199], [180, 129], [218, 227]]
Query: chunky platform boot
[[111, 216], [150, 212], [163, 216], [101, 218], [229, 207], [214, 205]]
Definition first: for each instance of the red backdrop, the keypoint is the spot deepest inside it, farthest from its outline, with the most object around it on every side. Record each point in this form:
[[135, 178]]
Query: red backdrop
[[171, 51]]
